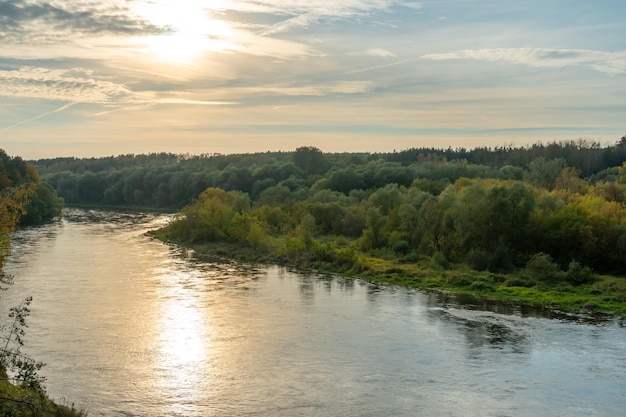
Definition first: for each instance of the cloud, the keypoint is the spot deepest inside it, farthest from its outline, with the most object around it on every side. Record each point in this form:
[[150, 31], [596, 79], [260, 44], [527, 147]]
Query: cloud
[[322, 7], [308, 12], [32, 119], [303, 20], [259, 45], [377, 67], [607, 62], [140, 104], [79, 85], [339, 87], [412, 5], [26, 21], [74, 85], [380, 52]]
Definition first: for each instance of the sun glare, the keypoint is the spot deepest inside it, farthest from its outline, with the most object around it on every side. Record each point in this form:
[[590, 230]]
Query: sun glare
[[191, 32]]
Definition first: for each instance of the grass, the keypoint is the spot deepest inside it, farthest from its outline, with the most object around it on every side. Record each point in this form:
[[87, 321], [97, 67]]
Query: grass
[[17, 401]]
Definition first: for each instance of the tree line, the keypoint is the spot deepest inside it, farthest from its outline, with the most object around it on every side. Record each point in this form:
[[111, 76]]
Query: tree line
[[169, 181]]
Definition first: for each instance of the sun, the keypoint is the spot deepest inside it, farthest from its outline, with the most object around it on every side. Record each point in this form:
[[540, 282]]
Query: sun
[[190, 33]]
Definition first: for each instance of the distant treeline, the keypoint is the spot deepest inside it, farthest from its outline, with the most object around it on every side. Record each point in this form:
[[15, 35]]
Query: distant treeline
[[170, 181]]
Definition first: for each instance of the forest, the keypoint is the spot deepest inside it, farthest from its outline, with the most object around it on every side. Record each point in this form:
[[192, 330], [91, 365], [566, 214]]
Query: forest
[[170, 181], [550, 214]]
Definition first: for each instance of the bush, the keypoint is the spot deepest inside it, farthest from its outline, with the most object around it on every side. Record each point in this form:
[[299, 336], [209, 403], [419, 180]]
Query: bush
[[323, 251], [577, 274], [345, 256], [411, 257], [401, 247], [440, 260], [292, 247], [542, 266]]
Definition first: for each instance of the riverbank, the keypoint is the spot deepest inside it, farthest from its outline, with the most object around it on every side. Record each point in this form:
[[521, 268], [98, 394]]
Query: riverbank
[[603, 294], [24, 402]]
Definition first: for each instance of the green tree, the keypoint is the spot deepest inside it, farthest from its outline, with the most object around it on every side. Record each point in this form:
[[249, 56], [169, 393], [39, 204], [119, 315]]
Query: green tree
[[311, 160], [373, 236], [543, 172], [208, 218], [44, 205]]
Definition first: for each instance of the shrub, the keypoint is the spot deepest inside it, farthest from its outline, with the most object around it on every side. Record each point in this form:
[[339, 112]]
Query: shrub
[[542, 266], [577, 274], [345, 256], [401, 247], [292, 247], [440, 260], [411, 257], [323, 251]]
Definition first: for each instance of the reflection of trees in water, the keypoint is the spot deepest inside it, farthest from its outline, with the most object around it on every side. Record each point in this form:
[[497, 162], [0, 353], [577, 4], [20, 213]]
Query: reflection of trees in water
[[437, 299], [485, 330], [308, 283], [373, 291], [480, 333], [477, 320]]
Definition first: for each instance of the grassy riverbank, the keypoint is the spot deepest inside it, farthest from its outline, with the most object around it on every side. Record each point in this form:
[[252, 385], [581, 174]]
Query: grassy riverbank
[[22, 401], [602, 294]]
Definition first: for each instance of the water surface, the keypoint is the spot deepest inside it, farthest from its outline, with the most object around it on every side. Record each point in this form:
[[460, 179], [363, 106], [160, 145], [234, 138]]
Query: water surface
[[131, 327]]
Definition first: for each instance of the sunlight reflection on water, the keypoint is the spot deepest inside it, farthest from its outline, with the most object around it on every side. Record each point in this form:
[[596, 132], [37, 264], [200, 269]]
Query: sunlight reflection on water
[[184, 348]]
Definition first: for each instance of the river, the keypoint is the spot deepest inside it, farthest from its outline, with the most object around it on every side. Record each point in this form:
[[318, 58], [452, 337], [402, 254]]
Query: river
[[129, 326]]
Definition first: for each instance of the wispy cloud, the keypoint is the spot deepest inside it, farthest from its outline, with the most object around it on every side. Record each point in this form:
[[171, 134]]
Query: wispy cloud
[[341, 87], [299, 89], [380, 52], [377, 67], [32, 119], [141, 104], [74, 85], [79, 85], [304, 13], [302, 20], [607, 62], [321, 7], [257, 44]]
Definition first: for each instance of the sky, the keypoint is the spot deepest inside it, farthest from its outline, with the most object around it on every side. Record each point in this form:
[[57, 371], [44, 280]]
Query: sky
[[89, 78]]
